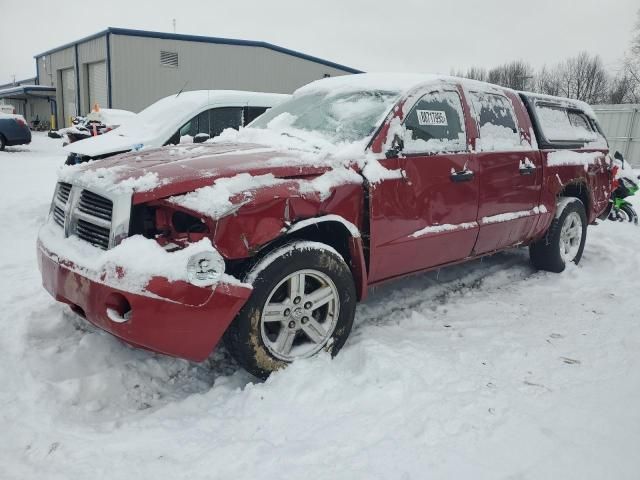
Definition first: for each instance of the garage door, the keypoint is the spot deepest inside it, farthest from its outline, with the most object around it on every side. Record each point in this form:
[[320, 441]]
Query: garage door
[[69, 108], [97, 73]]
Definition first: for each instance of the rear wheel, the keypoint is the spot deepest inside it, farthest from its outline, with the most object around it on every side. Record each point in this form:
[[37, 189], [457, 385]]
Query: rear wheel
[[303, 302], [564, 241], [2, 143]]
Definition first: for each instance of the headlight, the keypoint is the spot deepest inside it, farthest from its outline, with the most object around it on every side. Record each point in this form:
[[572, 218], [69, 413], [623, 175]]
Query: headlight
[[204, 269]]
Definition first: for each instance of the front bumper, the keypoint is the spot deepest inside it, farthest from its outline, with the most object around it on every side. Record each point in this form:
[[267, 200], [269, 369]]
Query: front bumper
[[174, 318]]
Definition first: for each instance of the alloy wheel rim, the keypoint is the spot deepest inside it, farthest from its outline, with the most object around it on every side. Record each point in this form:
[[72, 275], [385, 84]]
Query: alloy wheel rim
[[300, 315], [570, 237]]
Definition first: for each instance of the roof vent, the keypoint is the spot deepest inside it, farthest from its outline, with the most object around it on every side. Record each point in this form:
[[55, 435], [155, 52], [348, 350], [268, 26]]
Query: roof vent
[[168, 59]]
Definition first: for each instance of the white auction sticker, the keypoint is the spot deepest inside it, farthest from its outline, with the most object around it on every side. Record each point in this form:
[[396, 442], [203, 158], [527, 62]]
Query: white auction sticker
[[432, 117]]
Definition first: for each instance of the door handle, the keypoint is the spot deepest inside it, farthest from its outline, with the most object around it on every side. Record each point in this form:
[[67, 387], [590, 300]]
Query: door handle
[[463, 175], [527, 167]]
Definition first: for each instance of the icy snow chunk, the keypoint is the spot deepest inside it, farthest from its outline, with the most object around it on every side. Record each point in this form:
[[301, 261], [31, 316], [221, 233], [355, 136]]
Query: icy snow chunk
[[445, 227], [215, 201], [569, 157], [499, 138]]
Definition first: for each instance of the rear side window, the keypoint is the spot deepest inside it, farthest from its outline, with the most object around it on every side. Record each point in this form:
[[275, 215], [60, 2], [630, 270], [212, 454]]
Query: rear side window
[[496, 122], [560, 124], [223, 118], [251, 113], [435, 124], [213, 121]]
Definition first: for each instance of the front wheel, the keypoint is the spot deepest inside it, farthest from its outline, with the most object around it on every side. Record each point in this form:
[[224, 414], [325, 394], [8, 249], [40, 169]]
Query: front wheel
[[629, 214], [303, 301], [2, 143], [564, 241]]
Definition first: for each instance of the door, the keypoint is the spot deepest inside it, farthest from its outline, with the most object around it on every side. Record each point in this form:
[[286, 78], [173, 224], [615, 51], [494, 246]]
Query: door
[[428, 216], [97, 82], [510, 174], [69, 108]]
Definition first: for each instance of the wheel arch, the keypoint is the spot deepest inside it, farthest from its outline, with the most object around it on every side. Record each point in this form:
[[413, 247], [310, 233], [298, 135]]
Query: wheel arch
[[579, 189], [334, 231]]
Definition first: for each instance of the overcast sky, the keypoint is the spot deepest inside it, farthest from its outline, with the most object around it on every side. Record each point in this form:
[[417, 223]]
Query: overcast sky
[[390, 35]]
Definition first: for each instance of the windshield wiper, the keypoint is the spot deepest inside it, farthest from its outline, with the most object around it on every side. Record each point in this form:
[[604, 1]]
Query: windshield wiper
[[301, 139]]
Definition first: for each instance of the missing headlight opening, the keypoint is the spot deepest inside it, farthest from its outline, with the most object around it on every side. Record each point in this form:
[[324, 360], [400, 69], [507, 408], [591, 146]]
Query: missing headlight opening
[[185, 223]]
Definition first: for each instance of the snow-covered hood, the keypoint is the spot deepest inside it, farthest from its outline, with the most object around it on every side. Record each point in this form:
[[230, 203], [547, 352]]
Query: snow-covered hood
[[110, 142], [164, 172]]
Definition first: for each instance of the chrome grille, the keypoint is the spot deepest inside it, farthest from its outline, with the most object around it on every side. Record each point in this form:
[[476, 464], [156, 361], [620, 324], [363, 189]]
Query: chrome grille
[[62, 194], [95, 216], [95, 205], [94, 234], [58, 215]]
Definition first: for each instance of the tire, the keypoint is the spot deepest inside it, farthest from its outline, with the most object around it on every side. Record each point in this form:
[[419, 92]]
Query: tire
[[3, 143], [630, 214], [552, 252], [262, 339]]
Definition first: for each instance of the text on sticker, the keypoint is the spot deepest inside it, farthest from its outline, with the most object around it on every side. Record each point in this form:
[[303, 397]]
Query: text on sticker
[[432, 117]]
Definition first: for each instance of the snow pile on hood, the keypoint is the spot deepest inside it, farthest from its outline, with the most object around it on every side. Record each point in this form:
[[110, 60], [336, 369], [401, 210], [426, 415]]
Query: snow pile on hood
[[111, 117], [228, 194], [215, 201], [106, 179]]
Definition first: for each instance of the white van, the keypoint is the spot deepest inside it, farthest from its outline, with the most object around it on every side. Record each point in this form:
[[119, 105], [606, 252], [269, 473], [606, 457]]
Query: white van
[[184, 117]]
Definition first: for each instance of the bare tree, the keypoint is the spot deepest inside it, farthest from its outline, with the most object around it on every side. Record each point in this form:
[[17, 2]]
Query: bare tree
[[474, 73], [582, 77], [548, 80], [517, 75], [624, 89]]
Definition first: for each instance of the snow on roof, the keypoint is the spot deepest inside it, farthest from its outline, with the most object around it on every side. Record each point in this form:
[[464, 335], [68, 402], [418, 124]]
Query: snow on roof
[[392, 82], [565, 102]]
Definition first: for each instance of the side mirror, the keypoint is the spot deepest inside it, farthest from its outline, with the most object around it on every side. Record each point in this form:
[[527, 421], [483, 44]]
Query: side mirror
[[397, 146], [201, 138]]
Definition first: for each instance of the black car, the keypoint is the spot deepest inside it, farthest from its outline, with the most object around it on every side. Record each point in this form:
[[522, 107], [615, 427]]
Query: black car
[[13, 130]]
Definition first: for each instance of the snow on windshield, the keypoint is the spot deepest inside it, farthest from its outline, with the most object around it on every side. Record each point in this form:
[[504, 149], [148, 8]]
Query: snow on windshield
[[323, 117]]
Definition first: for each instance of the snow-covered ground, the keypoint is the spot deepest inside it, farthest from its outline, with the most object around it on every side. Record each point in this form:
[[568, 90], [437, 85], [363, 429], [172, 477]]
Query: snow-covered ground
[[488, 370]]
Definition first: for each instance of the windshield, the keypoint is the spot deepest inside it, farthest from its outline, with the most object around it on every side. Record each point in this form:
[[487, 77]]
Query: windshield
[[337, 118]]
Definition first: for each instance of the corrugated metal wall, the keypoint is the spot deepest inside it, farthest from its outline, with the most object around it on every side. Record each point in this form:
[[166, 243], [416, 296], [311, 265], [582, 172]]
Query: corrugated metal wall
[[49, 68], [138, 78], [621, 124], [51, 65], [90, 52]]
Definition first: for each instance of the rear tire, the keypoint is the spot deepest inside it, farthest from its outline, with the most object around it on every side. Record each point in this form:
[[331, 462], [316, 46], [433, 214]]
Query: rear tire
[[303, 301], [564, 241], [3, 143]]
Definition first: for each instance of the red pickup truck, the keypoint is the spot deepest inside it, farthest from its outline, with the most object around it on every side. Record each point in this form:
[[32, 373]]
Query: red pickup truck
[[269, 236]]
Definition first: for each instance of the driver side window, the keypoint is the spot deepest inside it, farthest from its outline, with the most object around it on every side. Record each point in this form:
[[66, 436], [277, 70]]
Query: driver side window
[[435, 124]]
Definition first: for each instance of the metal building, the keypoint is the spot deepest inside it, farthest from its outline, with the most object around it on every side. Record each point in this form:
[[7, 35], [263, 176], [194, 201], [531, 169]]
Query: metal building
[[130, 69], [621, 125], [34, 102]]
